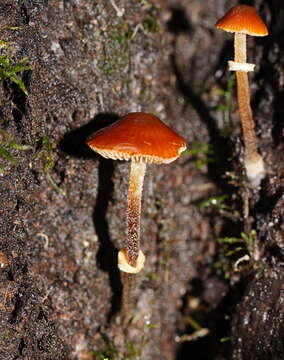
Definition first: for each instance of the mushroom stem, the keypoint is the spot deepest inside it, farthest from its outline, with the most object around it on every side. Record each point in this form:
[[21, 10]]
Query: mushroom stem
[[246, 114], [137, 173], [252, 160], [240, 47]]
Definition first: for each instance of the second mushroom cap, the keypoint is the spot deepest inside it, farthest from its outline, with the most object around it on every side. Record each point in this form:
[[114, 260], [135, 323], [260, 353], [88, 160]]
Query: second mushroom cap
[[243, 19]]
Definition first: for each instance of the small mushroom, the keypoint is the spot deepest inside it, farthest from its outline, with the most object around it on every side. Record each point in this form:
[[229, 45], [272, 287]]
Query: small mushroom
[[243, 20], [141, 138]]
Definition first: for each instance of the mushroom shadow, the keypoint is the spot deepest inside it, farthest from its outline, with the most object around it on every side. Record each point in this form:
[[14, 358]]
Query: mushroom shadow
[[74, 144], [178, 22], [220, 144], [107, 253], [226, 52]]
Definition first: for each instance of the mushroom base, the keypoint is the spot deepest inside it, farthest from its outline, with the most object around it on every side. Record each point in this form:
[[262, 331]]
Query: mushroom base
[[124, 266], [255, 170]]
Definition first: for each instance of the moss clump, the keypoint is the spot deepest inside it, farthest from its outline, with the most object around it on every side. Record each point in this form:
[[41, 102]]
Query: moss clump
[[7, 143], [116, 53], [202, 152], [150, 24], [237, 254], [46, 157], [10, 69], [108, 353]]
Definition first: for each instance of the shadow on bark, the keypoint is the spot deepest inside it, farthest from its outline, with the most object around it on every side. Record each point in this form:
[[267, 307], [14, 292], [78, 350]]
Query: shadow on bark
[[217, 316], [74, 144], [270, 71], [220, 144], [107, 254]]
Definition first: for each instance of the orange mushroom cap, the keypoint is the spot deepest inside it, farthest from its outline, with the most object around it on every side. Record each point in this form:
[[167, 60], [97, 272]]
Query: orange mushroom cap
[[138, 136], [243, 19]]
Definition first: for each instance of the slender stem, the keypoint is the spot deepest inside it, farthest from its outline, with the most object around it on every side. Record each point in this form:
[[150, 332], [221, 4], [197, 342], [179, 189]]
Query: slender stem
[[253, 161], [137, 173], [240, 45], [246, 116]]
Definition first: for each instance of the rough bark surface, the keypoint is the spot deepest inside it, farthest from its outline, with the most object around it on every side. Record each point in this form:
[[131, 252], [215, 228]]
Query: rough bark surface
[[63, 208]]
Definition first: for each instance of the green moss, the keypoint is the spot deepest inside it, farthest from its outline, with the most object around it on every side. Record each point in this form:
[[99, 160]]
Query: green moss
[[147, 5], [220, 202], [131, 352], [237, 254], [114, 60], [202, 153], [10, 72], [7, 143], [108, 353], [225, 339], [243, 243], [150, 24], [10, 69], [46, 157]]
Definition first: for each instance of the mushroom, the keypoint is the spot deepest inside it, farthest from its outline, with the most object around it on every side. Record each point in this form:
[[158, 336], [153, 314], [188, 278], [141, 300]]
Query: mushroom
[[243, 20], [141, 138]]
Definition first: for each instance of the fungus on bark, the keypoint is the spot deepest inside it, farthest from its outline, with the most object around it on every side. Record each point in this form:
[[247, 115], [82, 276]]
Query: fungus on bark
[[141, 138], [243, 20]]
